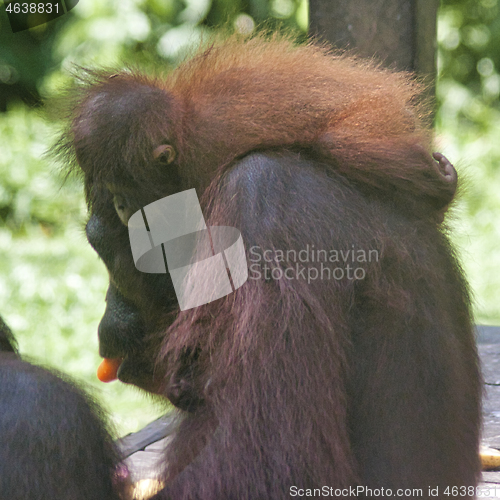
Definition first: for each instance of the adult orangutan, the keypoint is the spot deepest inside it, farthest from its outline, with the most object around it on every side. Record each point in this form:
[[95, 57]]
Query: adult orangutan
[[347, 358], [54, 443]]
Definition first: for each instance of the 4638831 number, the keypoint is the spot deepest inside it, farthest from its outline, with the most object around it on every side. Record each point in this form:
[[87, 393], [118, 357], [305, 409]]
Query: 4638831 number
[[32, 8]]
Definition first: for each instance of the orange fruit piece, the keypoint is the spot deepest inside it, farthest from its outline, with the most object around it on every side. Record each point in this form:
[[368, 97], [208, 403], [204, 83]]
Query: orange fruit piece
[[108, 369]]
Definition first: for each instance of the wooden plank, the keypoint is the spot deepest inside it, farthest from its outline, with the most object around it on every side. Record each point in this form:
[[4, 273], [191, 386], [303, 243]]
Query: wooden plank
[[152, 433]]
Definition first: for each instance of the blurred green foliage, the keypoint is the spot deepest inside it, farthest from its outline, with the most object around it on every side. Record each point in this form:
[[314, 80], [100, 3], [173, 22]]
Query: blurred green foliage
[[29, 192], [25, 59], [52, 285], [468, 132], [469, 42]]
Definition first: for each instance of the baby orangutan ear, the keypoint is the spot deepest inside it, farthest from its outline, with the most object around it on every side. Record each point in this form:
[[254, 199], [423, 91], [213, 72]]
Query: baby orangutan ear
[[165, 153]]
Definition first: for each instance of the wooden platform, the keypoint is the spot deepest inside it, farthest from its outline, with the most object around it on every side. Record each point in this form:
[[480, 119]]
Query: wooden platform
[[489, 352], [143, 449]]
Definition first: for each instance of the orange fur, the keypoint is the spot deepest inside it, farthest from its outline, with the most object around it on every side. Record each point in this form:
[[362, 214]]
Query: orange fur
[[241, 95]]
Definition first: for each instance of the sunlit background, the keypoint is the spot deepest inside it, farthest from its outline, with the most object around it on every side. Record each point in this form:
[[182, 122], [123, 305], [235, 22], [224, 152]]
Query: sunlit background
[[52, 285]]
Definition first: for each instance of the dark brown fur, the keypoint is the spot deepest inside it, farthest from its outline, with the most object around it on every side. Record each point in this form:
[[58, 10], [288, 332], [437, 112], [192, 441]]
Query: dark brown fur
[[54, 444], [370, 382]]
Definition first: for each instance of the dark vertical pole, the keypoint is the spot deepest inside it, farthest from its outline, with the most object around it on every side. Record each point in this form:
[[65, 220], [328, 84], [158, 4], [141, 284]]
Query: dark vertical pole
[[425, 37], [400, 33]]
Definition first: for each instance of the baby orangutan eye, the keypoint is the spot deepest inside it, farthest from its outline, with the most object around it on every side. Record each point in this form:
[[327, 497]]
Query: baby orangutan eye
[[122, 208], [124, 205]]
